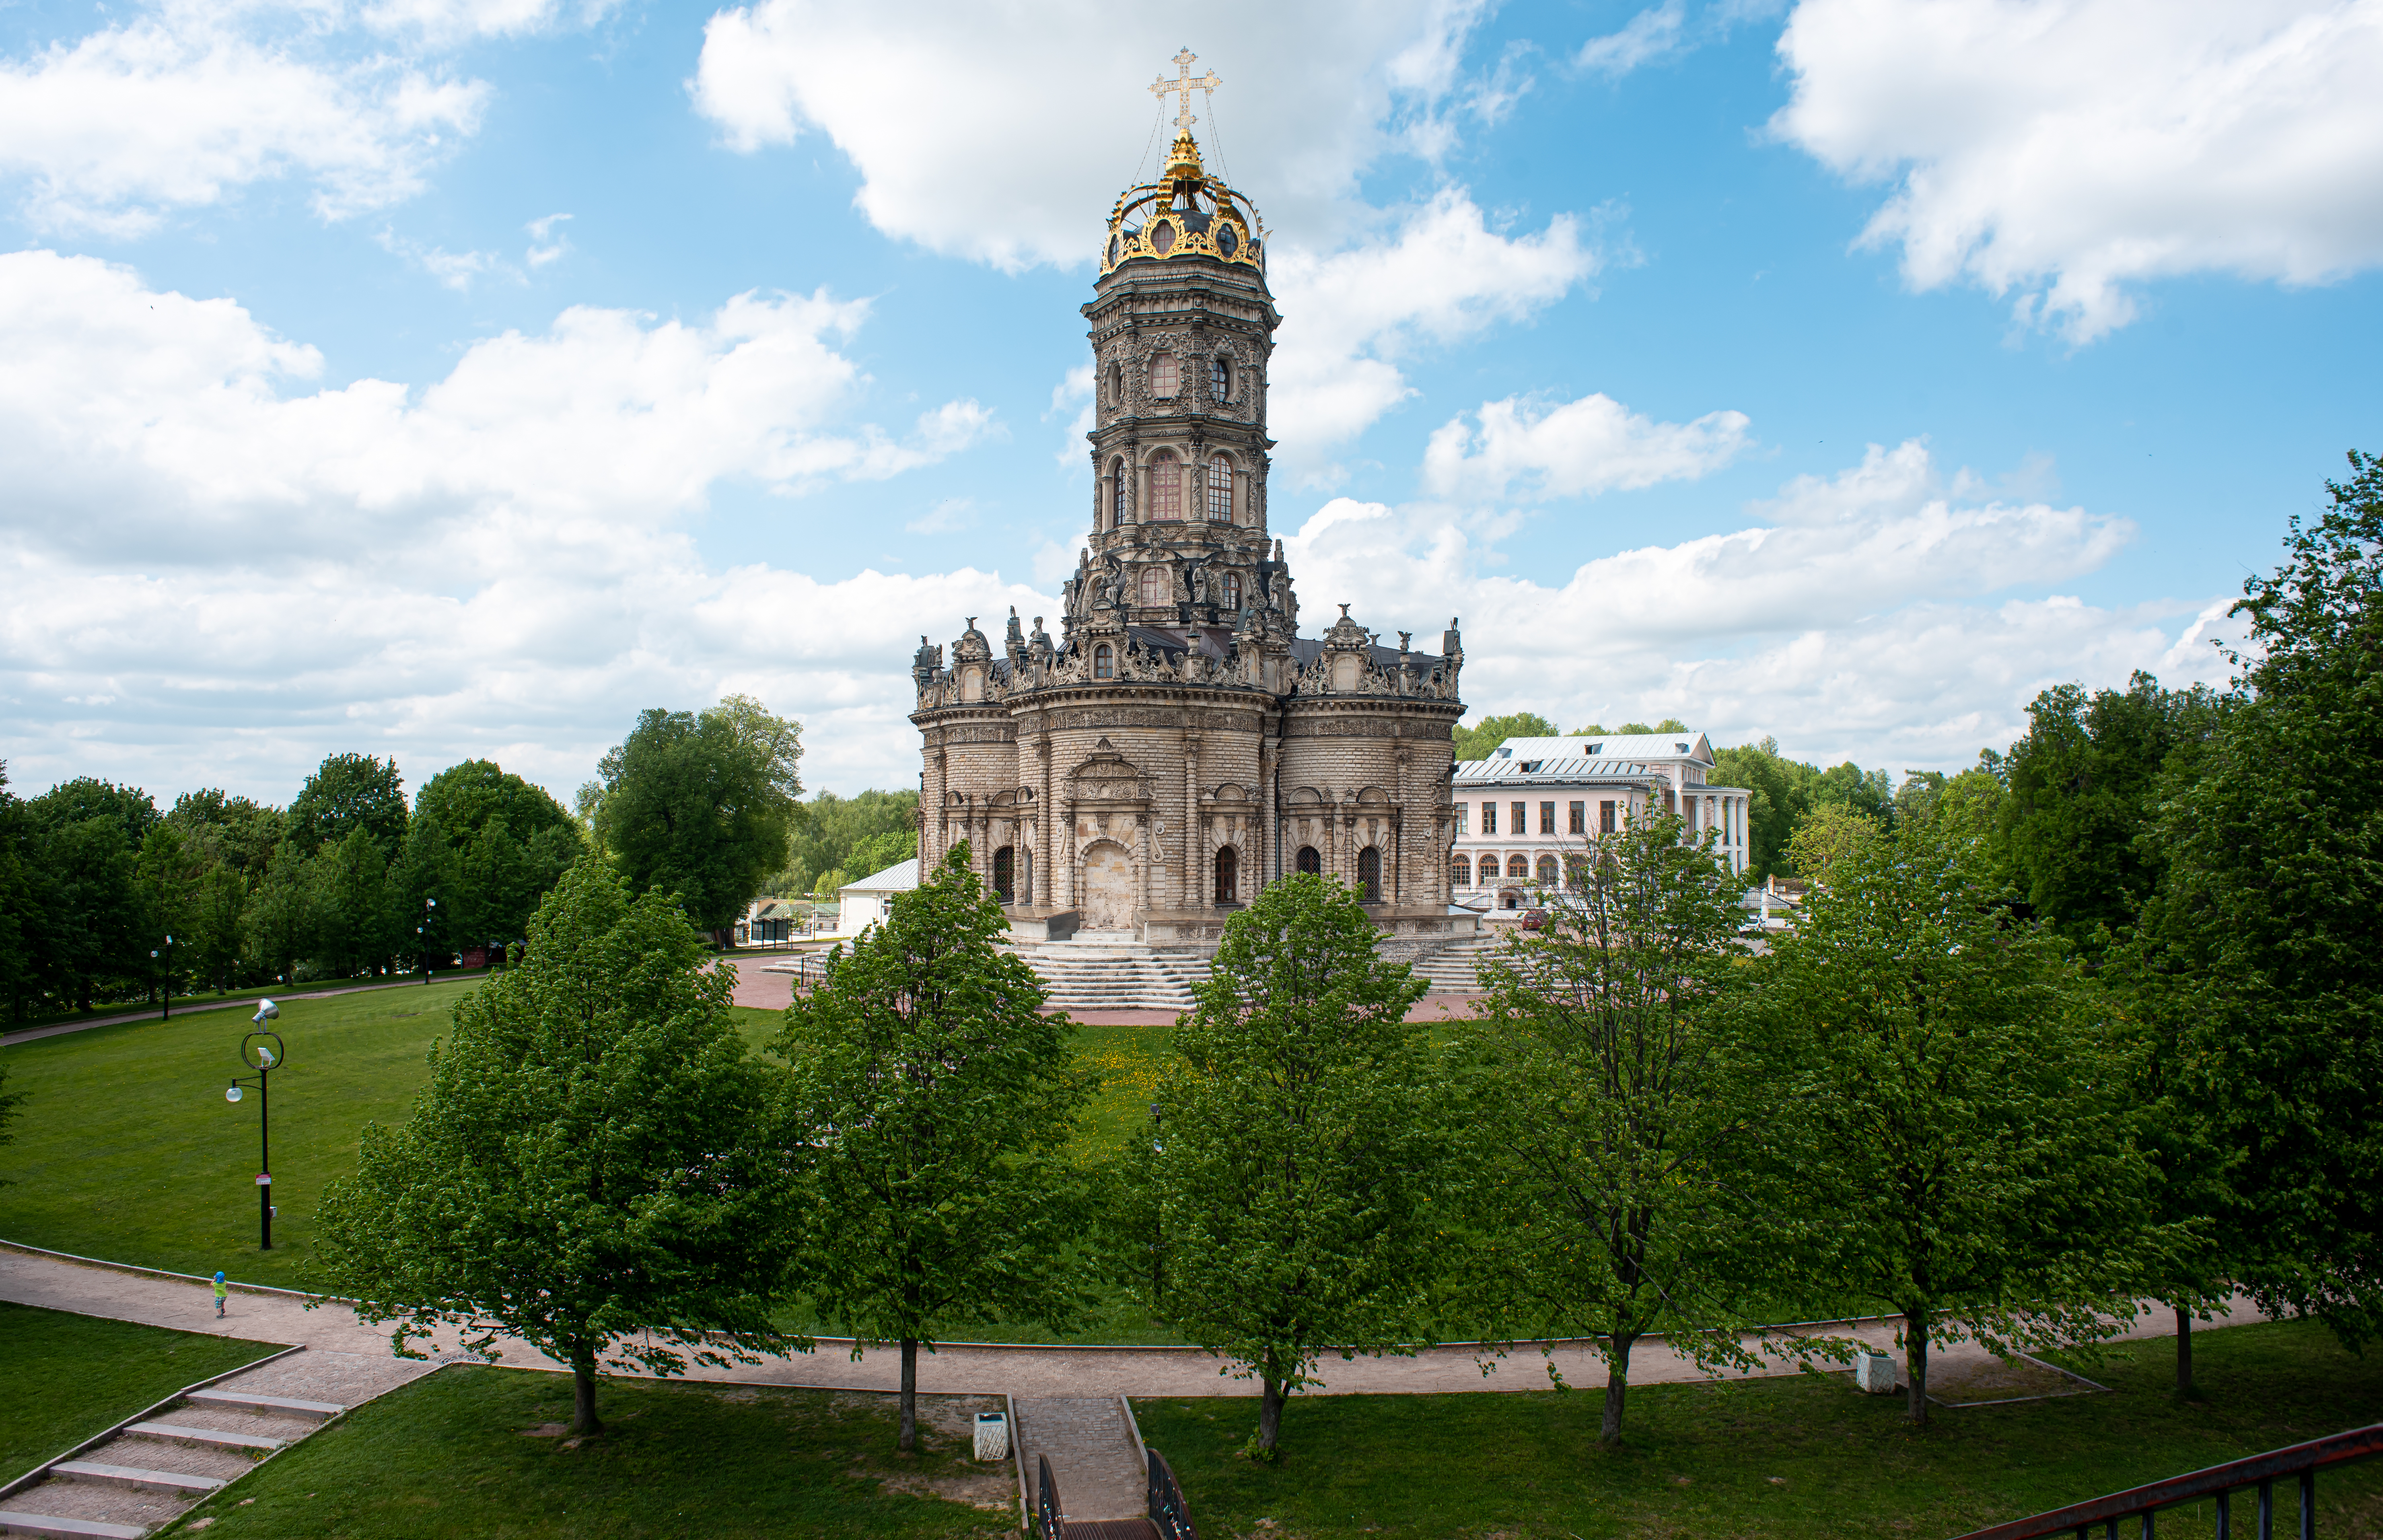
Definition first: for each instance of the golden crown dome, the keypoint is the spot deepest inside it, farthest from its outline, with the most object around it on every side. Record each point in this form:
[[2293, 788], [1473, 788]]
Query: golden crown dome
[[1186, 213]]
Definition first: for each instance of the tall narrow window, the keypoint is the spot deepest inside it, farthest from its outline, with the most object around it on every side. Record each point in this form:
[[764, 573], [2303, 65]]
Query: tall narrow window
[[1232, 586], [1461, 809], [1228, 874], [1166, 485], [1116, 387], [1117, 494], [1369, 875], [1580, 817], [1104, 662], [1522, 825], [1161, 376], [1220, 378], [1220, 491], [1605, 818], [1310, 863], [1005, 873], [1547, 871], [1547, 818], [1488, 818], [1156, 588]]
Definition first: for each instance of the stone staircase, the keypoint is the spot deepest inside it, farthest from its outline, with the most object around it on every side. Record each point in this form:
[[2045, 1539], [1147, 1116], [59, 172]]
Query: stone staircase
[[1088, 976], [1450, 967], [145, 1473]]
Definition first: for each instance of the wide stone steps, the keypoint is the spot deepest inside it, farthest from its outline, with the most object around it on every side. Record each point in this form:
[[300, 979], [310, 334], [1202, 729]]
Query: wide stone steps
[[1451, 967], [1113, 978]]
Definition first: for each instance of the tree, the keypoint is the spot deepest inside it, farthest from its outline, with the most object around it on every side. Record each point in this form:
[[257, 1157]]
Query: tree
[[1302, 1177], [2085, 784], [700, 805], [1950, 1117], [279, 918], [943, 1102], [21, 901], [1478, 741], [832, 827], [1608, 1107], [1825, 835], [494, 844], [346, 792], [2259, 952], [597, 1164], [356, 923], [86, 847]]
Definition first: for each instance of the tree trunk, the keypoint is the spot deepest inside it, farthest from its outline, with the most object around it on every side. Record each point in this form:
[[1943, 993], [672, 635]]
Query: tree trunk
[[1915, 1364], [583, 1392], [2184, 1391], [1617, 1386], [909, 1394], [1269, 1417]]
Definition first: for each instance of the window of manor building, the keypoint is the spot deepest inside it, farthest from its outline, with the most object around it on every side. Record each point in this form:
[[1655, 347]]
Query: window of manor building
[[1579, 817], [1488, 818], [1522, 825], [1547, 818], [1104, 662], [1220, 490], [1547, 871], [1517, 867], [1220, 378], [1605, 818], [1461, 809], [1162, 375], [1166, 485], [1459, 873]]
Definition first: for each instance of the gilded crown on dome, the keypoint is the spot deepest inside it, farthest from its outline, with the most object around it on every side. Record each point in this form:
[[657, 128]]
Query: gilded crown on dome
[[1186, 213]]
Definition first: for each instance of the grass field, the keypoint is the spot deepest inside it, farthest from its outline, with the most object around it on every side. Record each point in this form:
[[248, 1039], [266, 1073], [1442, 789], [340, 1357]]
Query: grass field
[[64, 1378], [1785, 1458], [205, 998], [459, 1455]]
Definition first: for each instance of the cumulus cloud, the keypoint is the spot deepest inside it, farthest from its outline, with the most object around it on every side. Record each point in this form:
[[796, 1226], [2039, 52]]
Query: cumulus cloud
[[1872, 612], [1440, 276], [494, 562], [1574, 449], [2066, 150]]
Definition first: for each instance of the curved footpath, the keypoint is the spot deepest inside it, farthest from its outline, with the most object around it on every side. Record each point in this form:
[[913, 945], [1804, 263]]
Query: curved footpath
[[166, 1300]]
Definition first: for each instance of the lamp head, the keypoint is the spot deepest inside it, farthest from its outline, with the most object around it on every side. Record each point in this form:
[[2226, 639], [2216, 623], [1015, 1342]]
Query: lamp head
[[266, 1011], [232, 1095]]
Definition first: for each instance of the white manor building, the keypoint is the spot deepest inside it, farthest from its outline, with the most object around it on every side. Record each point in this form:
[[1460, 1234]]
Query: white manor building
[[1536, 802]]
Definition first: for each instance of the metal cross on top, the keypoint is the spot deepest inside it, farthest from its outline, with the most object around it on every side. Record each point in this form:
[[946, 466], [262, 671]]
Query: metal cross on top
[[1183, 85]]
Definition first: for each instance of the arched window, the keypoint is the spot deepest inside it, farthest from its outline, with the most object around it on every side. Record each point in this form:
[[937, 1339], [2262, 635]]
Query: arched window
[[1104, 662], [1117, 494], [1310, 863], [1220, 378], [1547, 871], [1005, 873], [1517, 868], [1116, 387], [1166, 485], [1155, 586], [1459, 873], [1220, 491], [1577, 873], [1369, 875], [1232, 591], [1161, 376], [1228, 872]]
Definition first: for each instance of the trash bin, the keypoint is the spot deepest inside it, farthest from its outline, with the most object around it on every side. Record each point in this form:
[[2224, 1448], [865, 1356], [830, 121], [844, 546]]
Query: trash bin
[[992, 1435]]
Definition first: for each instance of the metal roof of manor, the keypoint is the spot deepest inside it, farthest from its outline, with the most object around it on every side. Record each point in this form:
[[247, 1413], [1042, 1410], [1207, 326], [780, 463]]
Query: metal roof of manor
[[1611, 745], [901, 877], [1576, 768]]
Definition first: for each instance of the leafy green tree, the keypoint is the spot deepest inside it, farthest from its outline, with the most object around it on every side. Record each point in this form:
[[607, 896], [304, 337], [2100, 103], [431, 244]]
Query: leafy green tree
[[1608, 1108], [1476, 741], [596, 1166], [2259, 953], [1782, 794], [701, 805], [1825, 835], [1950, 1119], [832, 827], [21, 901], [1303, 1173], [355, 922], [1640, 729], [876, 853], [93, 931], [168, 875], [505, 843], [2085, 784], [346, 792], [945, 1101], [278, 922]]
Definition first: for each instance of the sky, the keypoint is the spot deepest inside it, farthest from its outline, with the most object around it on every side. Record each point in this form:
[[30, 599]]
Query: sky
[[456, 379]]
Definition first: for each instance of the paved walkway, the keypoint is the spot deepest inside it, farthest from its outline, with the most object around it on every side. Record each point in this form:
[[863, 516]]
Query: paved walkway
[[245, 1003], [1071, 1371], [1094, 1461]]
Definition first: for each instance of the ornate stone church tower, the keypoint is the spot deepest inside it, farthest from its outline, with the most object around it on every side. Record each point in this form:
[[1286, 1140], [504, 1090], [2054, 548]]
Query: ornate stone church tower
[[1181, 744]]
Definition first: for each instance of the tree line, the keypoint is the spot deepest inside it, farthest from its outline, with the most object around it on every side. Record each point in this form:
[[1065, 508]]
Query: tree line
[[1940, 1096]]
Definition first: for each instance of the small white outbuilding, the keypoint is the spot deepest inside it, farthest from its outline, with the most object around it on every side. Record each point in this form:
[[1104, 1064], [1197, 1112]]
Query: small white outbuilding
[[861, 905]]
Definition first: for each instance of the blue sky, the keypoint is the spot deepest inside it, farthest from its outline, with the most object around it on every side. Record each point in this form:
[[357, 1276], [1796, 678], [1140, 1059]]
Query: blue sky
[[455, 377]]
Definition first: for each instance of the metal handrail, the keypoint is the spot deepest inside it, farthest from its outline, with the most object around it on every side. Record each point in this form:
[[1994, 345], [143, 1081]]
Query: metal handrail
[[1168, 1511], [1049, 1518], [2220, 1482]]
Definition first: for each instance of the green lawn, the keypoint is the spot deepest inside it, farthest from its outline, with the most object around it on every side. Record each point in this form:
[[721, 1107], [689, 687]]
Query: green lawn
[[279, 993], [1796, 1457], [456, 1455], [64, 1378]]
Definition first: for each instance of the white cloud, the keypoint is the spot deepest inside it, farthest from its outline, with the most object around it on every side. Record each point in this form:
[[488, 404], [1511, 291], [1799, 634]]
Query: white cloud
[[453, 21], [545, 245], [1575, 449], [492, 562], [950, 514], [119, 128], [1076, 390], [2068, 150], [1440, 276], [1650, 35], [1001, 133], [1869, 614]]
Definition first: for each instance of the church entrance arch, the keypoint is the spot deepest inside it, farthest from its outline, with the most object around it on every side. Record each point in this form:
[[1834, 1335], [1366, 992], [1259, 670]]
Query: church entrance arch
[[1108, 887], [1310, 862], [1228, 872], [1369, 875]]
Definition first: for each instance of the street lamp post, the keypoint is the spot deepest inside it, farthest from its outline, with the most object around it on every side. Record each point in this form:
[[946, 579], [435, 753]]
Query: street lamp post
[[421, 936], [165, 989], [256, 1054]]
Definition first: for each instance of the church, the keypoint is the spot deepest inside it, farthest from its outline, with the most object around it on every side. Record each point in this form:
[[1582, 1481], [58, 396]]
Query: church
[[1179, 744]]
